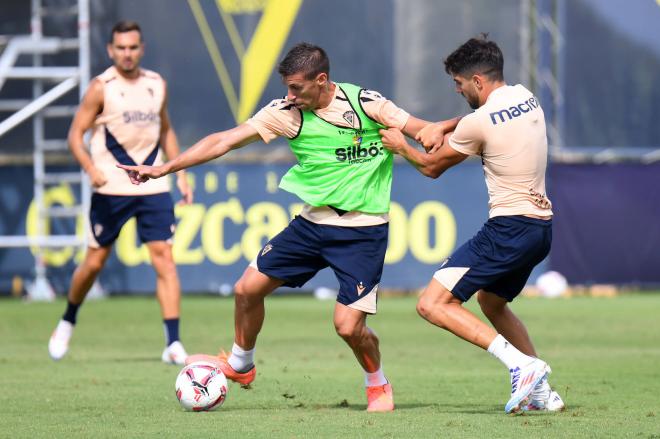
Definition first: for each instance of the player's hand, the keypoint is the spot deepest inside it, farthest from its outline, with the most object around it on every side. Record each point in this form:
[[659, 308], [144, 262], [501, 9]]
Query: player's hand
[[96, 177], [393, 140], [184, 188], [445, 141], [431, 137], [141, 173]]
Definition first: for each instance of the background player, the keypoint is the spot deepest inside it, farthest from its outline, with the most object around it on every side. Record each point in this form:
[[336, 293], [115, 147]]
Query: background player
[[344, 177], [127, 108], [508, 131]]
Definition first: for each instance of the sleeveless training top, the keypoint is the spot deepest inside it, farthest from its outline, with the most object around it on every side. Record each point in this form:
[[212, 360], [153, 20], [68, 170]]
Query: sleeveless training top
[[127, 131]]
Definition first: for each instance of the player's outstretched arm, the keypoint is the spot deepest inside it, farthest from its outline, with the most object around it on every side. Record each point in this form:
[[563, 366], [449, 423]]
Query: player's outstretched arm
[[210, 147], [430, 164]]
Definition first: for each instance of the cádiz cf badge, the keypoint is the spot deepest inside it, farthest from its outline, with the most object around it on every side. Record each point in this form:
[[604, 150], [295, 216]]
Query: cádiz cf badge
[[357, 140]]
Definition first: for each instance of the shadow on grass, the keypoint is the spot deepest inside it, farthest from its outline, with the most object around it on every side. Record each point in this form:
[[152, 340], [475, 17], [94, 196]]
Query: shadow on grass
[[443, 408], [463, 408], [363, 407]]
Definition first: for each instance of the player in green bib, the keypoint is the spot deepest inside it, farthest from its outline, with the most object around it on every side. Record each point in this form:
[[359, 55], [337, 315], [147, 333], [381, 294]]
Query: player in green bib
[[344, 175]]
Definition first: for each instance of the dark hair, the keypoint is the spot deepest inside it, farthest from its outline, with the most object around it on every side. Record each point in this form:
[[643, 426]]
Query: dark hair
[[305, 58], [124, 26], [477, 55]]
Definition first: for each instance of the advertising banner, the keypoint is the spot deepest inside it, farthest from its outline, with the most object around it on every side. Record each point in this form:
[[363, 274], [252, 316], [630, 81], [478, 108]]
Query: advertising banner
[[606, 223], [237, 208]]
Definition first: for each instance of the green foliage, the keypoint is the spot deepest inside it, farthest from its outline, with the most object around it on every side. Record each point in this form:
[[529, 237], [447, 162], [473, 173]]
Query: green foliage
[[604, 353]]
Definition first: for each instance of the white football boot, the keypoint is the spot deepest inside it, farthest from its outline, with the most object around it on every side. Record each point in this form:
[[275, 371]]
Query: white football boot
[[523, 381], [58, 345], [174, 354], [543, 398]]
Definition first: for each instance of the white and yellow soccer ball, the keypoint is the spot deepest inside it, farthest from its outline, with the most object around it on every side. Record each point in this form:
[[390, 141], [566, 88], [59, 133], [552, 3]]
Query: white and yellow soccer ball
[[201, 386]]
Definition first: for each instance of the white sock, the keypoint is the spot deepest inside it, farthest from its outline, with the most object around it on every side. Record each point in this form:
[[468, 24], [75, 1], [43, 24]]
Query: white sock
[[241, 360], [375, 379], [508, 354]]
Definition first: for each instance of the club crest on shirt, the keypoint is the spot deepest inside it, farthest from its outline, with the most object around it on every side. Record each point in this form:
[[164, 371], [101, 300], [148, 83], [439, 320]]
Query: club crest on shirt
[[349, 116]]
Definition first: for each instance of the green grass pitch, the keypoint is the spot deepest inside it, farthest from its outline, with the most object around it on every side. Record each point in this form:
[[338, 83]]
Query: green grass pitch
[[605, 354]]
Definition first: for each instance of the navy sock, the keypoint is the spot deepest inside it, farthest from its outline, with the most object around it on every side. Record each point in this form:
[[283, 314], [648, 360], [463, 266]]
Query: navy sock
[[171, 330], [71, 312]]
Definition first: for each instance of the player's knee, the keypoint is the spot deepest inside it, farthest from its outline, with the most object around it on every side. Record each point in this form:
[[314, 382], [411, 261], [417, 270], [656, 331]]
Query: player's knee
[[242, 290], [348, 331], [432, 310], [239, 288], [94, 265], [167, 265], [425, 307], [163, 261], [165, 268]]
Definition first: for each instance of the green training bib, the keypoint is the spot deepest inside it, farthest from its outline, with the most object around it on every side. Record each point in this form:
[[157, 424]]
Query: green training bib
[[346, 168]]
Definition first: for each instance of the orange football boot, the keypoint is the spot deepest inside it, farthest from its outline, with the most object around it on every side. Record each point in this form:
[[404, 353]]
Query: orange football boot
[[380, 398], [220, 360]]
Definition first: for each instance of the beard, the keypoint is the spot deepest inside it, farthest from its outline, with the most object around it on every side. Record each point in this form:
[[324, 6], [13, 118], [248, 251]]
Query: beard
[[473, 101], [130, 69]]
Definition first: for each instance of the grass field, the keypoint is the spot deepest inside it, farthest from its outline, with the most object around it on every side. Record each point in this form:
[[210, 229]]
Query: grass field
[[605, 354]]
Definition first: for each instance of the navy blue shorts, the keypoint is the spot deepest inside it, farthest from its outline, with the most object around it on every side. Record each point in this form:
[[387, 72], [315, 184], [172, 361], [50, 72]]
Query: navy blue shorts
[[498, 259], [355, 254], [154, 215]]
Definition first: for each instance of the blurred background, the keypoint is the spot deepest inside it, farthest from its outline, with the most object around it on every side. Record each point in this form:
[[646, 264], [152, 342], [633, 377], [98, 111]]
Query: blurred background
[[593, 64]]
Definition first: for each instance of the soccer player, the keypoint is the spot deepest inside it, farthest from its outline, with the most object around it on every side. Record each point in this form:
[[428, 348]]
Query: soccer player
[[507, 130], [344, 177], [126, 107]]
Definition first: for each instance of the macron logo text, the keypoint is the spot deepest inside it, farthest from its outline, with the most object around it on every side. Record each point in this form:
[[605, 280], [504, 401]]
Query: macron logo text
[[515, 111]]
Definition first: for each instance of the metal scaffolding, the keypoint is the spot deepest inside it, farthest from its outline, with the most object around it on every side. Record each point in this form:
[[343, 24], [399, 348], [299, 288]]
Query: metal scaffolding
[[39, 108], [541, 61]]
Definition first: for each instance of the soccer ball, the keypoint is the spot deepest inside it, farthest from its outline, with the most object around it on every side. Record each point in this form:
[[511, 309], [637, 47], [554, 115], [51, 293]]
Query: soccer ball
[[551, 284], [201, 386]]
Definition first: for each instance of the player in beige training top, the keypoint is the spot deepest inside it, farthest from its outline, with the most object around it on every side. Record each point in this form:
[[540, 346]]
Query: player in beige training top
[[343, 174], [126, 107], [507, 130]]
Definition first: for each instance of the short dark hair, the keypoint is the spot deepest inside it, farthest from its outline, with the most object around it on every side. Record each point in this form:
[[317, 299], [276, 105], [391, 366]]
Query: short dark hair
[[477, 55], [124, 26], [305, 58]]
